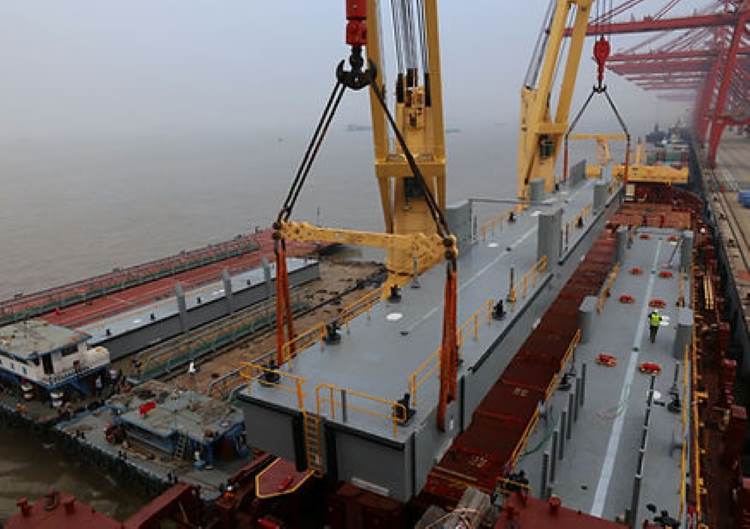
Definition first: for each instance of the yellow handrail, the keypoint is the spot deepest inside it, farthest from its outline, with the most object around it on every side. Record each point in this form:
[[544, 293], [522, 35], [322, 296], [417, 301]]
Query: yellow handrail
[[698, 487], [360, 306], [295, 386], [607, 287], [325, 394], [422, 373], [684, 420], [521, 445], [529, 279], [473, 322], [498, 220], [317, 332], [302, 341]]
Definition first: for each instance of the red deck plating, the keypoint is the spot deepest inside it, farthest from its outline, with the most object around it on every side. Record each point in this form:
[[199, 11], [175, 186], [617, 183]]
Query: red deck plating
[[108, 305]]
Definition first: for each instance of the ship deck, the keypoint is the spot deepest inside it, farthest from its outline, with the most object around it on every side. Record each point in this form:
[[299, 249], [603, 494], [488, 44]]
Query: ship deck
[[597, 472], [98, 308], [378, 352], [731, 175], [142, 315]]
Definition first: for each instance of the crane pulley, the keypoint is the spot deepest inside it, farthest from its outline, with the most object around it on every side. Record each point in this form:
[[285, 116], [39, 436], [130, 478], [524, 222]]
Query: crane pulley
[[413, 243]]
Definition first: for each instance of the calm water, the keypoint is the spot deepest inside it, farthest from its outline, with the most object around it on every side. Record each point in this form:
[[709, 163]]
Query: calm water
[[72, 209]]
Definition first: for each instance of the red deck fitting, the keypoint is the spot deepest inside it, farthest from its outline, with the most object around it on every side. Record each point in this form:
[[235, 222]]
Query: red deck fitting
[[650, 368], [626, 299], [480, 455], [533, 513], [607, 360], [59, 511], [279, 478], [636, 271], [657, 303], [665, 274]]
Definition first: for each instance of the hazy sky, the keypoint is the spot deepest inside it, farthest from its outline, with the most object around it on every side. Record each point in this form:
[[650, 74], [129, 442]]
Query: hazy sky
[[93, 68]]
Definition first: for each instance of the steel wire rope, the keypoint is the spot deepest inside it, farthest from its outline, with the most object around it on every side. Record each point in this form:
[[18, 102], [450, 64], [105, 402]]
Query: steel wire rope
[[435, 211], [312, 150], [397, 34], [422, 28]]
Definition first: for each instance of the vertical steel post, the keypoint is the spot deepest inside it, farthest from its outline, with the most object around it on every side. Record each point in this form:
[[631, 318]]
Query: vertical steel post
[[344, 415], [569, 416], [572, 404], [227, 280], [553, 463], [633, 522], [545, 471], [563, 432], [583, 384]]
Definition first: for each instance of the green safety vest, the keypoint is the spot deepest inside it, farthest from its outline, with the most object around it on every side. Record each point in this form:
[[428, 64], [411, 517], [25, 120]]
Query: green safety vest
[[654, 319]]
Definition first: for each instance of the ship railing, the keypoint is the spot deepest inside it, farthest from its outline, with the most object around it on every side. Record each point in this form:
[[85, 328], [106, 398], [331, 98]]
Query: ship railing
[[496, 222], [22, 307], [527, 281], [308, 338], [83, 370], [472, 323], [606, 289], [267, 376], [317, 333], [360, 306], [337, 402], [569, 352], [423, 373], [523, 441], [175, 352], [698, 488], [684, 435], [429, 366]]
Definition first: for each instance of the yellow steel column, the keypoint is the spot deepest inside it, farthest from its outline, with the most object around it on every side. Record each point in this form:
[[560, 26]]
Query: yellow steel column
[[436, 126], [536, 118], [379, 126]]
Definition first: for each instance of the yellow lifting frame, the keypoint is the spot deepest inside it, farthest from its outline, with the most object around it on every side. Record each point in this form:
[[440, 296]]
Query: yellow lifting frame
[[423, 250]]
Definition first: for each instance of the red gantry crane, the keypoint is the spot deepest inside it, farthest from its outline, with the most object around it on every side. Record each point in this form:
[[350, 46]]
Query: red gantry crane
[[703, 57]]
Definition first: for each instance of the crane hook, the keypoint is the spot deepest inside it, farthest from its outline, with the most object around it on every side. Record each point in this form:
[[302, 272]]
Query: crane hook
[[356, 78]]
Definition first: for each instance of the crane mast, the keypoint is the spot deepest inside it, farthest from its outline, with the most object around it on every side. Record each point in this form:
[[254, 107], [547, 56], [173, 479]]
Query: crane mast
[[542, 130], [418, 114]]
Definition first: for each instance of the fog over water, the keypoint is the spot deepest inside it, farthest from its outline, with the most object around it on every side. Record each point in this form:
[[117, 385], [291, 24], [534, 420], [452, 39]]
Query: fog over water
[[133, 130]]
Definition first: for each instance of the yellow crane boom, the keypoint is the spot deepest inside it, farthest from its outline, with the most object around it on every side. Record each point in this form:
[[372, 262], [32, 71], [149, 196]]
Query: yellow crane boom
[[542, 131], [419, 115]]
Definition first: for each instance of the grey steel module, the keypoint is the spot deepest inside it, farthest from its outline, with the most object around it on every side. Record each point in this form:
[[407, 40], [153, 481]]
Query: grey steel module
[[350, 386]]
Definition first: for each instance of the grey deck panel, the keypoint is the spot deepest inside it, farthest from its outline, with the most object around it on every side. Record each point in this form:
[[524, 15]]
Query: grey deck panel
[[165, 308], [377, 355], [619, 330], [94, 425], [363, 449]]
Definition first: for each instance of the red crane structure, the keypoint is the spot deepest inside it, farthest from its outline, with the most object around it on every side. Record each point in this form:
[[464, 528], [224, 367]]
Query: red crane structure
[[702, 57]]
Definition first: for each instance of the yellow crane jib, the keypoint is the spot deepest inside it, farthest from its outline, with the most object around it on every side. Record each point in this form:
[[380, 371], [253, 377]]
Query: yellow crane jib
[[542, 127], [424, 250]]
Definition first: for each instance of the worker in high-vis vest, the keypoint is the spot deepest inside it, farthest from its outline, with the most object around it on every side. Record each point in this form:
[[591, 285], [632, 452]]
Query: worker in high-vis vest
[[654, 321]]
